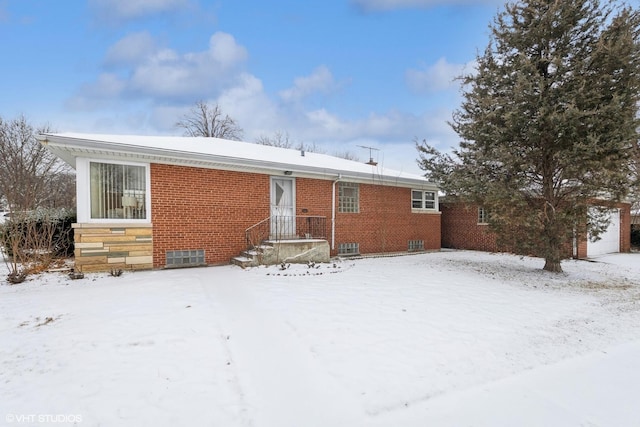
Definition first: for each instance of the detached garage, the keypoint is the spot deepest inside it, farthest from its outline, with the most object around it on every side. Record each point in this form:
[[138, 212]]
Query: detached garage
[[609, 241], [465, 226]]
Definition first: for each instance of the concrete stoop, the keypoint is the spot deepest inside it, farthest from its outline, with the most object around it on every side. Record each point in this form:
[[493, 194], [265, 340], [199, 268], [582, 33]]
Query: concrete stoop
[[295, 251], [251, 257]]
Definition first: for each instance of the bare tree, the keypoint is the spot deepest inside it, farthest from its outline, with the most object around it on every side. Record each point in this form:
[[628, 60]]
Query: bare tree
[[28, 171], [209, 121], [346, 154], [32, 179], [311, 147], [62, 190], [279, 139]]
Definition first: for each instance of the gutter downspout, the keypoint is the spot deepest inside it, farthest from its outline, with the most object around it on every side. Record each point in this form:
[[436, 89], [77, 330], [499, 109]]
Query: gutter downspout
[[333, 213]]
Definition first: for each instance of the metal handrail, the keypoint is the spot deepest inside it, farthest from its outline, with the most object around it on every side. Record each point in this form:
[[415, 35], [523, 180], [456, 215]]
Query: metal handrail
[[286, 227]]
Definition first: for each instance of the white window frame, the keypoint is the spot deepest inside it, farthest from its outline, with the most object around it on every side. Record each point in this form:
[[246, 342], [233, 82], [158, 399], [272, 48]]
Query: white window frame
[[83, 192], [483, 215], [423, 201]]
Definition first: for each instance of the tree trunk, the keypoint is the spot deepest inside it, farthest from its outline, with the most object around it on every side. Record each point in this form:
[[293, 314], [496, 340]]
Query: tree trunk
[[552, 253], [552, 256], [552, 265]]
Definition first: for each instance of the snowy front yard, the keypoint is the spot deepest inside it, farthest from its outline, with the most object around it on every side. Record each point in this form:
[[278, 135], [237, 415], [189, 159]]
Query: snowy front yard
[[437, 339]]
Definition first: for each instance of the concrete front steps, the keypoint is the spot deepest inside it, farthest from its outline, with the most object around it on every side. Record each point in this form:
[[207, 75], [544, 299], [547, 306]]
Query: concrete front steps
[[290, 251], [251, 257]]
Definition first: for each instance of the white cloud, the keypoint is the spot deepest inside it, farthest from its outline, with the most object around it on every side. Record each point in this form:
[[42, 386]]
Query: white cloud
[[257, 114], [245, 101], [130, 49], [380, 5], [437, 77], [152, 87], [325, 123], [250, 106], [196, 74], [224, 50], [320, 81], [392, 125], [131, 9], [93, 96], [164, 117], [392, 132], [164, 74]]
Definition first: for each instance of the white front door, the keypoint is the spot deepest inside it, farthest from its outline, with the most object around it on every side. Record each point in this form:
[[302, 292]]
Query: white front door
[[283, 208]]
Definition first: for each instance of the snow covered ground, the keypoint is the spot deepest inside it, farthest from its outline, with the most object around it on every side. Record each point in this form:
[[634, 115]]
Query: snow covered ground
[[438, 339]]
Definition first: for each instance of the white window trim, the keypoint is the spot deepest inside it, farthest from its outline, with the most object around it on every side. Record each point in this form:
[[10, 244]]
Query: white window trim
[[423, 209], [83, 199], [486, 215]]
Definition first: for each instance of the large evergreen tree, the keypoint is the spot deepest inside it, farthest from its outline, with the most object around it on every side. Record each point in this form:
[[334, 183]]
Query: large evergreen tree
[[548, 122]]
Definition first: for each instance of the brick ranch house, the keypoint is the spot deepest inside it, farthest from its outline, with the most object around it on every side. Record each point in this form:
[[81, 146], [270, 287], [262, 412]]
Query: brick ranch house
[[153, 202], [465, 226]]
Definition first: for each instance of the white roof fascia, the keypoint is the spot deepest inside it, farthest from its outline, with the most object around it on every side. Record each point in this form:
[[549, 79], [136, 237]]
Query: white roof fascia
[[70, 146]]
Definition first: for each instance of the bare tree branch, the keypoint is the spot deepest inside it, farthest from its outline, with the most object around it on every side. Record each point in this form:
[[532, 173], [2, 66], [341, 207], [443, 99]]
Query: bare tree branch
[[279, 139], [209, 121], [29, 173]]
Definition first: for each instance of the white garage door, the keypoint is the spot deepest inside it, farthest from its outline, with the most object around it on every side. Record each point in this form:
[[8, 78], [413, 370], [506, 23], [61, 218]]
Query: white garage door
[[609, 240]]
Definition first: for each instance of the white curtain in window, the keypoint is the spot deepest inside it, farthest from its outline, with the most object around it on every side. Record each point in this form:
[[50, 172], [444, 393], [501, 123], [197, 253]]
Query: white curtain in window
[[117, 191]]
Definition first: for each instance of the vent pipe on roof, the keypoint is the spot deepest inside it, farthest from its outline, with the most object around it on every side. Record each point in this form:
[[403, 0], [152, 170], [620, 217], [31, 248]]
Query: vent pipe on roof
[[302, 153]]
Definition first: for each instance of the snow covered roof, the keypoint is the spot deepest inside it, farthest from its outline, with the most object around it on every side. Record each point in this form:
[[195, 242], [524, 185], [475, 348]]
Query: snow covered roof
[[223, 154]]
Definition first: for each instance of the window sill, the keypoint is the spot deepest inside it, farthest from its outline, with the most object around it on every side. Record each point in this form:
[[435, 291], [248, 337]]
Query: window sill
[[425, 211], [110, 222]]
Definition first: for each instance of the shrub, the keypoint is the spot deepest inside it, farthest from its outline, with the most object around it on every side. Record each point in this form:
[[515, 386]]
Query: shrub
[[32, 240]]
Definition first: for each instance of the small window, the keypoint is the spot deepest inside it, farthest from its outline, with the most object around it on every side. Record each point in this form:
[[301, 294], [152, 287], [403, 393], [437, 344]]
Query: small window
[[117, 191], [348, 249], [187, 258], [423, 199], [483, 215], [416, 245], [348, 197]]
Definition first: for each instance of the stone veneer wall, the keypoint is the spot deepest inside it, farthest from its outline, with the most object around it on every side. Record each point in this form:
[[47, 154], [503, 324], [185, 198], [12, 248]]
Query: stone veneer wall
[[103, 247]]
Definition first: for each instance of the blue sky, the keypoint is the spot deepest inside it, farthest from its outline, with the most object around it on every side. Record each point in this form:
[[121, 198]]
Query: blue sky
[[337, 74]]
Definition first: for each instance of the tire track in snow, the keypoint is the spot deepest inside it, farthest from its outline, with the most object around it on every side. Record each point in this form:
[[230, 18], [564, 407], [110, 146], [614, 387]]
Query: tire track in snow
[[283, 382], [245, 419]]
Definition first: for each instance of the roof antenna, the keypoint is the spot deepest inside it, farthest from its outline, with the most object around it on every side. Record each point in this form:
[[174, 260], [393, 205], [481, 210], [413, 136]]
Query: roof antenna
[[371, 161]]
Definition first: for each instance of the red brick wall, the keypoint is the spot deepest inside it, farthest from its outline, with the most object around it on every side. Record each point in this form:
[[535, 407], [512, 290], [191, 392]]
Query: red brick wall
[[313, 197], [196, 208], [385, 222], [460, 228], [625, 227]]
